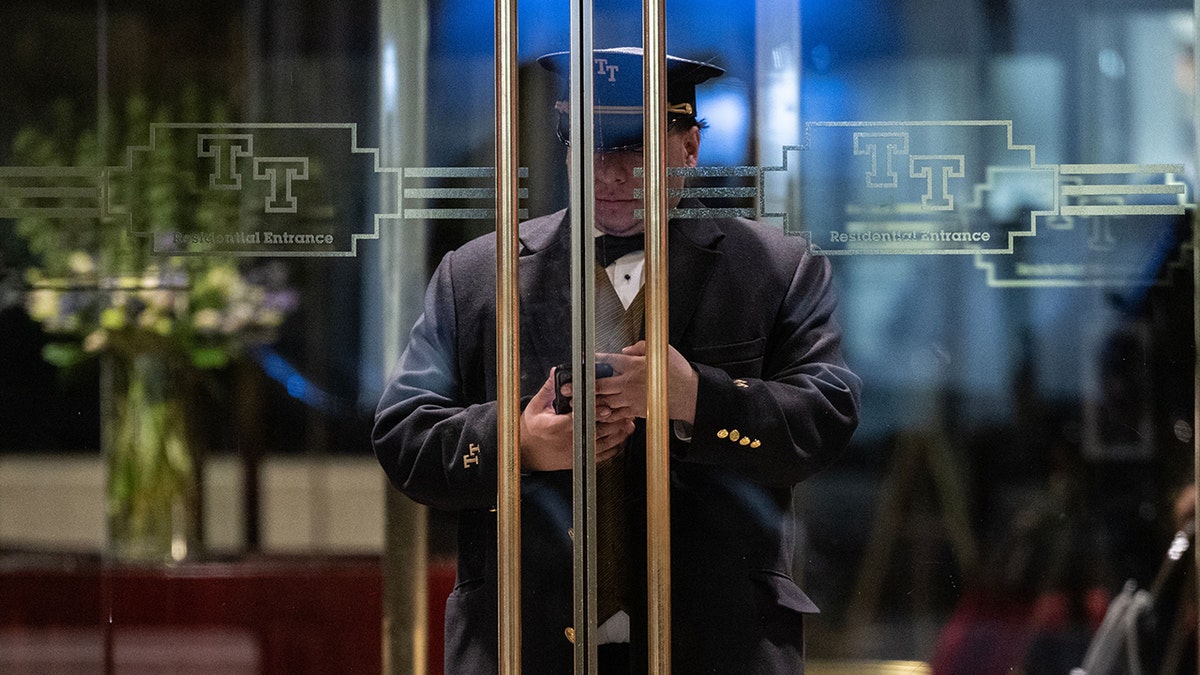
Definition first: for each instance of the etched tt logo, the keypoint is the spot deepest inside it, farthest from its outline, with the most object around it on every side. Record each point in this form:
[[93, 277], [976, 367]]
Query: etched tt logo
[[892, 144], [882, 150], [268, 169], [225, 151], [603, 68], [936, 170]]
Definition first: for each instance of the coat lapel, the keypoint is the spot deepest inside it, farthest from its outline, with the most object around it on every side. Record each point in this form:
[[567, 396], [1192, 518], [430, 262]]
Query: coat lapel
[[545, 287], [693, 255]]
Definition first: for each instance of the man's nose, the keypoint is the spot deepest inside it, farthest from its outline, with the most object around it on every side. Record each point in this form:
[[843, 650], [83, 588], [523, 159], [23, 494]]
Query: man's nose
[[609, 168]]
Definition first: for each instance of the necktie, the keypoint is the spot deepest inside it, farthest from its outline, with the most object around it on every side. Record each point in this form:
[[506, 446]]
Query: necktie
[[609, 247], [616, 327]]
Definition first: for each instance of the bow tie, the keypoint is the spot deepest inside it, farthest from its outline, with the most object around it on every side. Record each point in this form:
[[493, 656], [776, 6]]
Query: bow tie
[[609, 247]]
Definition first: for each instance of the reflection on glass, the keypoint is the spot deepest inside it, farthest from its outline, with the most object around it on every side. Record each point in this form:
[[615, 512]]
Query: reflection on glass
[[759, 401], [1001, 194], [1015, 257]]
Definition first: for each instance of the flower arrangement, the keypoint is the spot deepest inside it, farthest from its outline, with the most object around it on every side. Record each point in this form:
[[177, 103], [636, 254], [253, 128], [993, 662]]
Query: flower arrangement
[[205, 314], [98, 288], [156, 320]]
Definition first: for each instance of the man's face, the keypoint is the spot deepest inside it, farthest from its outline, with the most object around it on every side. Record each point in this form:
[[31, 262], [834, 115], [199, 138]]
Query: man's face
[[615, 182]]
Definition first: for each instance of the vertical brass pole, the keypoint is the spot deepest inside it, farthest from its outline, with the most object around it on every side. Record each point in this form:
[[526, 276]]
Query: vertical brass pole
[[658, 501], [583, 336], [508, 363]]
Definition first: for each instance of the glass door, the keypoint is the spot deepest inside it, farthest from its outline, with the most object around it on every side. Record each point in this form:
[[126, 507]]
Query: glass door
[[421, 336]]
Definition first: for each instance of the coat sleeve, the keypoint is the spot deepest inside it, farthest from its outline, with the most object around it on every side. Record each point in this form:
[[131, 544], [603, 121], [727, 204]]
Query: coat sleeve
[[793, 420], [435, 445]]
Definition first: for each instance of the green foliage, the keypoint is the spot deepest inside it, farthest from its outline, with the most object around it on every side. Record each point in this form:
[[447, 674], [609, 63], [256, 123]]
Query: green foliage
[[97, 278]]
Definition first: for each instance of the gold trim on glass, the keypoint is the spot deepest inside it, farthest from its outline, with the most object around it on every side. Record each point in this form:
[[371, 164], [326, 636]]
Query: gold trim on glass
[[658, 500], [852, 667], [508, 364]]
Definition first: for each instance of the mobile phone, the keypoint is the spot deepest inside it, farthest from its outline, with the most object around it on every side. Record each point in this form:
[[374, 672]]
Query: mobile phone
[[562, 375]]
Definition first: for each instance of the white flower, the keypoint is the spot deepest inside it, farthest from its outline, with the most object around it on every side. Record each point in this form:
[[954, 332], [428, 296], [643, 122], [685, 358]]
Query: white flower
[[81, 263], [148, 319], [162, 300], [239, 317], [95, 341], [225, 280], [207, 320], [150, 278], [42, 304]]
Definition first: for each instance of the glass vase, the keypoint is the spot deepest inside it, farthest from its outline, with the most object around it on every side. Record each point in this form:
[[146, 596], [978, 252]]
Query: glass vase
[[153, 460]]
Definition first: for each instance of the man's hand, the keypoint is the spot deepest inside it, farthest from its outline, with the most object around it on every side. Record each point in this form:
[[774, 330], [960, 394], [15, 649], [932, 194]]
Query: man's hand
[[546, 437], [623, 396]]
